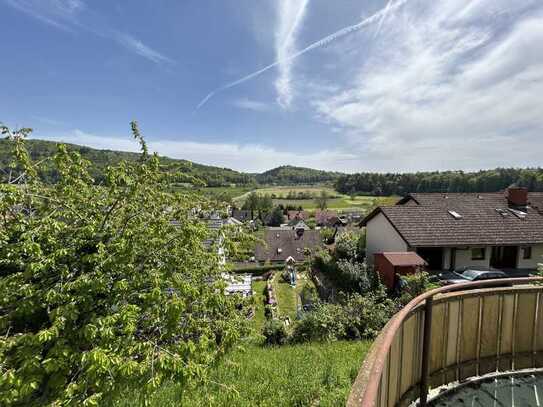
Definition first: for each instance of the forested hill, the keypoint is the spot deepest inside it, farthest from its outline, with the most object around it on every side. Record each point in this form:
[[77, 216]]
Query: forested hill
[[447, 181], [100, 159], [289, 175]]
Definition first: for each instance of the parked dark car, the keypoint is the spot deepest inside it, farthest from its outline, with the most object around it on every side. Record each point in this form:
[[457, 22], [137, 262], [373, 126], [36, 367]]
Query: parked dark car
[[466, 274]]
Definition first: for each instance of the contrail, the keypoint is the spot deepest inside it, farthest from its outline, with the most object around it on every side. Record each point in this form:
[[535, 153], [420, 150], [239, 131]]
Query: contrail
[[382, 20], [320, 43]]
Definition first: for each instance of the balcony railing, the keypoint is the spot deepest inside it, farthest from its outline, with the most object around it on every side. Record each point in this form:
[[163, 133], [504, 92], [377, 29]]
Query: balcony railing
[[450, 334]]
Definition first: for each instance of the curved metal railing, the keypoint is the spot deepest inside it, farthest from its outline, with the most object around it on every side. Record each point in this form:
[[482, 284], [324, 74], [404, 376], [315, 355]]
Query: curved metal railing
[[450, 334]]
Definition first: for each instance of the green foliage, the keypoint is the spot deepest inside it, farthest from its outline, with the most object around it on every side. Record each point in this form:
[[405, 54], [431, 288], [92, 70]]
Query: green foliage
[[346, 273], [447, 181], [276, 217], [100, 291], [289, 175], [353, 317], [274, 332], [348, 246], [414, 285], [327, 234]]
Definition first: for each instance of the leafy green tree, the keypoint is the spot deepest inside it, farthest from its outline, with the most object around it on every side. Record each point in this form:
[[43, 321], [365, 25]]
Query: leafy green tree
[[104, 289], [322, 200], [276, 217]]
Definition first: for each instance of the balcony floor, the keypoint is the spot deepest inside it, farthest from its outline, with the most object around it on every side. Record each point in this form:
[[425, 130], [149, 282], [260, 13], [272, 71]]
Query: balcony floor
[[519, 390]]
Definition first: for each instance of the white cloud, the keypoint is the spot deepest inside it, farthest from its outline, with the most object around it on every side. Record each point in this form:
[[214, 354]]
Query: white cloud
[[447, 85], [290, 16], [68, 15], [250, 158]]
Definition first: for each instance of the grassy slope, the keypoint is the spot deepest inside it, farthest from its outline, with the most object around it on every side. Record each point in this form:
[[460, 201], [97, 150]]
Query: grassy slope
[[301, 375]]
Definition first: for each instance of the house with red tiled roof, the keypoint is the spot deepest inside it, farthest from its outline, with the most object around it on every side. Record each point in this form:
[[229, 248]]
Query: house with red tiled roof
[[327, 218], [503, 230]]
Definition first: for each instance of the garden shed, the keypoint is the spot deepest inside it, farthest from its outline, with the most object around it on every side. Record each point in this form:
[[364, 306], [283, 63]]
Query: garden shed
[[392, 264]]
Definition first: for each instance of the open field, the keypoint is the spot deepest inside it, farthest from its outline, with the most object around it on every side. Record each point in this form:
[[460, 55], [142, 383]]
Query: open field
[[312, 374], [343, 204], [283, 191], [336, 201]]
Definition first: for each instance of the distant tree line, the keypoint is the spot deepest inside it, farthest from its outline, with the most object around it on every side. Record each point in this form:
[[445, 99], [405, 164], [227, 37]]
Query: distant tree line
[[447, 181]]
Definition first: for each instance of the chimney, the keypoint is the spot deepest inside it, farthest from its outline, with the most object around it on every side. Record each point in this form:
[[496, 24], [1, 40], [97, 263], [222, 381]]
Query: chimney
[[517, 196]]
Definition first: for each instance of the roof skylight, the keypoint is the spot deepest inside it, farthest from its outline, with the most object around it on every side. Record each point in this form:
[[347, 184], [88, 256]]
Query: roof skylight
[[455, 214]]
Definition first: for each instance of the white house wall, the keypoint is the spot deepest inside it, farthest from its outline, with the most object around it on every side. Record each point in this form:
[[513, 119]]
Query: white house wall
[[537, 258], [463, 258], [382, 237]]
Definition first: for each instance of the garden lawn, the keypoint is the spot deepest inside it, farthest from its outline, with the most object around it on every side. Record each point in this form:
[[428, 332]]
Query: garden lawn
[[286, 297], [312, 374]]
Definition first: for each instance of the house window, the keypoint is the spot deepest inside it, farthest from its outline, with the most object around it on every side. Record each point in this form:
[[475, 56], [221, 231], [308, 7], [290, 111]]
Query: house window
[[526, 252], [478, 253]]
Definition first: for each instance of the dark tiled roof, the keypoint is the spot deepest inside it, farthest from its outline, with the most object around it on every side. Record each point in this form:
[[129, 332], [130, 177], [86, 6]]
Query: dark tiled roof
[[290, 244], [425, 220], [241, 214]]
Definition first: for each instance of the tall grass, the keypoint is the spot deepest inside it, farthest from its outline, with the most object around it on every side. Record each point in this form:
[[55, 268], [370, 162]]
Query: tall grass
[[313, 374]]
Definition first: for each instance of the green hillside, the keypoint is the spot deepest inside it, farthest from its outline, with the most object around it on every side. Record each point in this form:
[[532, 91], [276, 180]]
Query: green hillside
[[41, 149]]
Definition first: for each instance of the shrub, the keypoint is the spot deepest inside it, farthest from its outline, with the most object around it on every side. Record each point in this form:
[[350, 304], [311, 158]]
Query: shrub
[[352, 277], [274, 332], [347, 246], [413, 285], [324, 323], [368, 314]]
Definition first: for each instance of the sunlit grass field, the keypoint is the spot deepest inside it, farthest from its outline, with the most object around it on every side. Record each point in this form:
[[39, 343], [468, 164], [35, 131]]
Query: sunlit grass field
[[313, 374], [336, 201]]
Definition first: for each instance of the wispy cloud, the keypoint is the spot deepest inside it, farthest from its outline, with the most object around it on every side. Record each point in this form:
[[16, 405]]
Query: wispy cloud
[[138, 47], [61, 14], [290, 16], [317, 44], [73, 15], [249, 104], [450, 85]]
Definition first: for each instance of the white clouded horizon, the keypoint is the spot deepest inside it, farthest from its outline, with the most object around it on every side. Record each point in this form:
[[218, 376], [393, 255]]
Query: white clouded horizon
[[248, 158], [66, 15], [290, 16]]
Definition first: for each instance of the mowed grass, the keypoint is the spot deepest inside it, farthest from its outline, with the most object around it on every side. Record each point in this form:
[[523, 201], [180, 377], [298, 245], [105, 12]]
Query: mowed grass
[[286, 297], [313, 374]]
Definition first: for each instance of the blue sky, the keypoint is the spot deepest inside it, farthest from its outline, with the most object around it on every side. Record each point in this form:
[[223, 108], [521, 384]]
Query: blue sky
[[349, 85]]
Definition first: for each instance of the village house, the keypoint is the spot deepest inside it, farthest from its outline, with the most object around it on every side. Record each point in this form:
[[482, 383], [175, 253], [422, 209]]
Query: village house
[[243, 215], [453, 230], [297, 215], [298, 243], [327, 218]]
